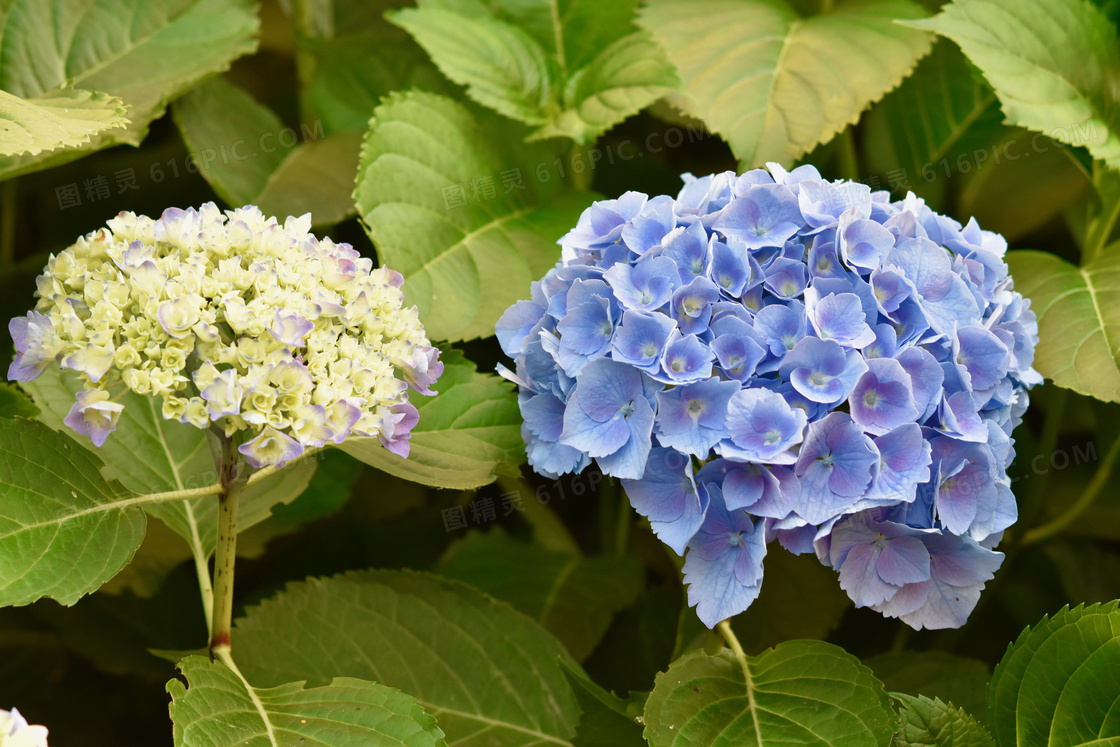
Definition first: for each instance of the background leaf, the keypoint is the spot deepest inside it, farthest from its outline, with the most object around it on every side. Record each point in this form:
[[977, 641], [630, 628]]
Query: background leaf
[[1052, 63], [1078, 312], [573, 597], [61, 118], [60, 535], [240, 149], [774, 85], [218, 708], [463, 266], [486, 672], [936, 674], [942, 109], [13, 402], [606, 720], [349, 56], [144, 52], [793, 698]]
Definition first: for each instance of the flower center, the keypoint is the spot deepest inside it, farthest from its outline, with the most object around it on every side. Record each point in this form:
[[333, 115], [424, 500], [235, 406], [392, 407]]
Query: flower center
[[871, 398]]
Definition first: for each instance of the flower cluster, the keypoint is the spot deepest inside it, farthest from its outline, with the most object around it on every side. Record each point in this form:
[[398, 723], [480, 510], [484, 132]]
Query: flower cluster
[[232, 320], [775, 356], [16, 732]]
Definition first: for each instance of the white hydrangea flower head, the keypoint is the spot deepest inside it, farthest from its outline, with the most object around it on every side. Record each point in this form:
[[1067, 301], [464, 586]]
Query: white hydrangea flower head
[[233, 320], [16, 732]]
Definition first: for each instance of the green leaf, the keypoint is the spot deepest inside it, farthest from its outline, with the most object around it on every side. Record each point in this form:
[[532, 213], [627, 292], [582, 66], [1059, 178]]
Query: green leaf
[[217, 707], [144, 53], [573, 597], [801, 692], [463, 265], [467, 433], [148, 454], [937, 674], [532, 79], [219, 114], [1053, 64], [502, 67], [15, 403], [1058, 682], [626, 76], [239, 147], [349, 56], [1078, 312], [1016, 197], [62, 118], [775, 85], [62, 534], [934, 723], [940, 110], [317, 177], [485, 671], [606, 720]]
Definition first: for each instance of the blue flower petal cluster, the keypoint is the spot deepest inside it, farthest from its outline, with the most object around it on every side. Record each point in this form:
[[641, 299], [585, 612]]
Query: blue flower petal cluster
[[772, 356]]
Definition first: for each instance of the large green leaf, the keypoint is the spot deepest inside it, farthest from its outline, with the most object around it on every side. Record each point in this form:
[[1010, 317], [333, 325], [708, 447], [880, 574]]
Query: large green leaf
[[934, 723], [1078, 312], [775, 85], [64, 530], [942, 109], [62, 118], [1053, 63], [1059, 683], [573, 597], [144, 52], [532, 79], [464, 264], [801, 692], [936, 674], [248, 156], [218, 708], [485, 671], [148, 454], [467, 433]]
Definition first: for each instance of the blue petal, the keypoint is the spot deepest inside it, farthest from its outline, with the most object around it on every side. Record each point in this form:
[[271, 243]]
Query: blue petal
[[666, 494]]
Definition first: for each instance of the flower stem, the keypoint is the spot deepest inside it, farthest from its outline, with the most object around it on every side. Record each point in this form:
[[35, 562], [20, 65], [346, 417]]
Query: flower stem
[[233, 476], [740, 655]]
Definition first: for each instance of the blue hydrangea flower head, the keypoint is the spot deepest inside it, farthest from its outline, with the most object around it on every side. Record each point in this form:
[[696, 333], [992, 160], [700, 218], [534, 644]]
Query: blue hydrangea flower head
[[774, 356]]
